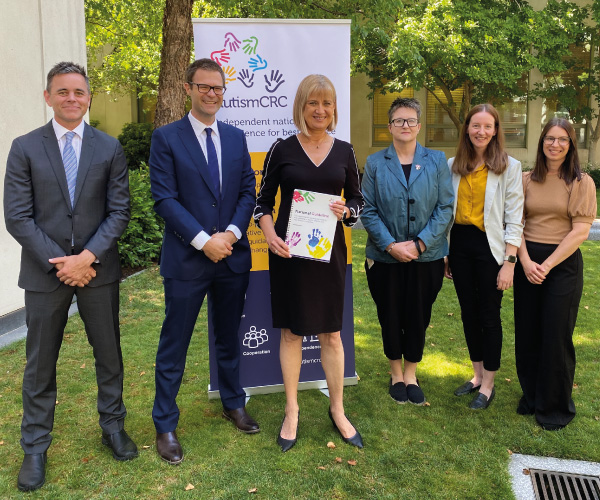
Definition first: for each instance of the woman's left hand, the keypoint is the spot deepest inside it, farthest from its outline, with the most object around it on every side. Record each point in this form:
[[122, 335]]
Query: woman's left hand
[[505, 277], [338, 208]]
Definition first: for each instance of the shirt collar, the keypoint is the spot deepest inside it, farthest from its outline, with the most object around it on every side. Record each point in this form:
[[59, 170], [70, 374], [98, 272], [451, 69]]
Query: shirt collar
[[59, 130], [199, 127]]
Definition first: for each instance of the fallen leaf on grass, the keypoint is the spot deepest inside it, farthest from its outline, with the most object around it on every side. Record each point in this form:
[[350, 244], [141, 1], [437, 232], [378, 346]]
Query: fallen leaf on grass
[[421, 441], [595, 418], [338, 460], [252, 490], [586, 307], [507, 379], [321, 467], [430, 326], [189, 487], [82, 366], [331, 445], [358, 378], [526, 472], [509, 452], [85, 460], [145, 447], [1, 443], [142, 373], [575, 386], [352, 462], [426, 403], [450, 314]]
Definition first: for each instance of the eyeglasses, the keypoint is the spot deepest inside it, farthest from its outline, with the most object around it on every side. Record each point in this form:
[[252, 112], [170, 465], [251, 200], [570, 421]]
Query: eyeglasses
[[563, 141], [205, 89], [399, 122]]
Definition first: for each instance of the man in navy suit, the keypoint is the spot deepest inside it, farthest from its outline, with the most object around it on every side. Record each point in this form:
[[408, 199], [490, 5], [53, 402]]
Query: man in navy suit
[[203, 187], [66, 202]]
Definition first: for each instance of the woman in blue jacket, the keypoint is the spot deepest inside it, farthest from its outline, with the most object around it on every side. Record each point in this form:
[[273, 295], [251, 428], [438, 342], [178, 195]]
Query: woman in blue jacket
[[408, 207]]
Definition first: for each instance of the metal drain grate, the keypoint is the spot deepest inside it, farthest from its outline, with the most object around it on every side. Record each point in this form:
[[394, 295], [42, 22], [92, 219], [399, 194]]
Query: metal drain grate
[[550, 485]]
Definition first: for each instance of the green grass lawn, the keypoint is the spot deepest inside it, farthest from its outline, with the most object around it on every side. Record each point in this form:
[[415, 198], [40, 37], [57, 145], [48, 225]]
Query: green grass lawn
[[441, 451]]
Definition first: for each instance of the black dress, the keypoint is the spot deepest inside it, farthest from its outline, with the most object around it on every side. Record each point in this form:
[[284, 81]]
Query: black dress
[[308, 296]]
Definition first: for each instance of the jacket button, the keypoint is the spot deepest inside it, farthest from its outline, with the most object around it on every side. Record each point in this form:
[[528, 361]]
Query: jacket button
[[214, 204], [411, 201], [413, 218], [214, 229]]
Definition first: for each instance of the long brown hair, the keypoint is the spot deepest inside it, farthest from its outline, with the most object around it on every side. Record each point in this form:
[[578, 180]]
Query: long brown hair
[[495, 157], [570, 168]]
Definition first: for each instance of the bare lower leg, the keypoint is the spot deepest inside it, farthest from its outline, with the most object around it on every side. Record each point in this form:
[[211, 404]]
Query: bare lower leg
[[487, 383], [477, 373], [410, 372], [396, 369], [332, 359], [290, 357]]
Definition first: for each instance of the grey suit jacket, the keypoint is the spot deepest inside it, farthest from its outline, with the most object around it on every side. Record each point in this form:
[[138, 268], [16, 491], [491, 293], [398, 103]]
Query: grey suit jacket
[[38, 212]]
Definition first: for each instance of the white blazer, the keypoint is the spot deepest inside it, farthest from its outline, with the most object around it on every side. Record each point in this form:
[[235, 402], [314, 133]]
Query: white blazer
[[503, 208]]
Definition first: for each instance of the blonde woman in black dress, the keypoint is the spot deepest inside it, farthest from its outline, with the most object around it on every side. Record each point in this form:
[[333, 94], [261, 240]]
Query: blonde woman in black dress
[[307, 297]]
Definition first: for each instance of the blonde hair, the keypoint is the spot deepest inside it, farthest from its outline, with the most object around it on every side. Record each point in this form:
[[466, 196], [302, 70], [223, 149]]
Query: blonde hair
[[313, 84]]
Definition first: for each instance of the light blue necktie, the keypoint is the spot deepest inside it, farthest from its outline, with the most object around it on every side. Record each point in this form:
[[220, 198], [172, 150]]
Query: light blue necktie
[[212, 161], [70, 162]]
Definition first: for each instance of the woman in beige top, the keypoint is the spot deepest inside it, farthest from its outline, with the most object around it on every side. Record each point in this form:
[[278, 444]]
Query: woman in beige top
[[560, 206]]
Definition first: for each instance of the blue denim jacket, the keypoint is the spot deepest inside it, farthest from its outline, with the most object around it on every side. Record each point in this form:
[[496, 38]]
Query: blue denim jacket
[[399, 211]]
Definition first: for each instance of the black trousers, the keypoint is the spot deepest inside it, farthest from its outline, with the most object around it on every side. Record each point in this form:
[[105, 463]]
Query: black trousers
[[404, 294], [545, 317], [475, 271], [46, 317]]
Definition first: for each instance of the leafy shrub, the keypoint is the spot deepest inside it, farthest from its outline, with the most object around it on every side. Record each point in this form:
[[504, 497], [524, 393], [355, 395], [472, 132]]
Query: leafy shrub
[[594, 172], [135, 139], [141, 242]]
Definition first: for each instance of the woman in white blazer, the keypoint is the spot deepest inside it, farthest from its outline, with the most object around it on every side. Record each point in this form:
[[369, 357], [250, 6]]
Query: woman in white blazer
[[485, 236]]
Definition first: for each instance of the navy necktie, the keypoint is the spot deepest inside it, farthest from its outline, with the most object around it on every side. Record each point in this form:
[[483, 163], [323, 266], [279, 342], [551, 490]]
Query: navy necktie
[[213, 162]]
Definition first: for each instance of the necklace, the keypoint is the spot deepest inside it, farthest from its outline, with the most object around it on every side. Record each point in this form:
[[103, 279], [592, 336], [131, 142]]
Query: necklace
[[308, 142]]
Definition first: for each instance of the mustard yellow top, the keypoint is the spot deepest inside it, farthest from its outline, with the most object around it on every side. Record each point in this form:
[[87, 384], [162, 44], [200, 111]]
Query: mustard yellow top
[[470, 198]]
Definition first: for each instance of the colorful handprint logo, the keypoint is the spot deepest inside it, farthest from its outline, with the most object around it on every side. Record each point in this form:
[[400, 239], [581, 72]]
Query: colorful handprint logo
[[293, 240], [254, 338], [317, 246]]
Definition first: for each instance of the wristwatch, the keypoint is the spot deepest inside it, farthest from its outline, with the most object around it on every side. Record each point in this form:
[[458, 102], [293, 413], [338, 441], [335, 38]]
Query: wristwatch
[[510, 258]]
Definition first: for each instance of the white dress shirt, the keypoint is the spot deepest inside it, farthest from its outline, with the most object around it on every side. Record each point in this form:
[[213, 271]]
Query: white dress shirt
[[61, 136], [200, 130]]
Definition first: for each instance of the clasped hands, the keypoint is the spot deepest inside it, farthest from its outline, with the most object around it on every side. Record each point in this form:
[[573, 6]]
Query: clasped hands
[[219, 246], [403, 251], [75, 270]]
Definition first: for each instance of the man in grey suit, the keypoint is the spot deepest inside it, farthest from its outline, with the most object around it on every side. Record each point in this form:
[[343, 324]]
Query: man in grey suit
[[66, 201]]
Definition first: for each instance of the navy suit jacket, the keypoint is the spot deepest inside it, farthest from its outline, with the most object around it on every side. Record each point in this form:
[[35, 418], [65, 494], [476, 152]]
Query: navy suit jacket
[[185, 197], [38, 211]]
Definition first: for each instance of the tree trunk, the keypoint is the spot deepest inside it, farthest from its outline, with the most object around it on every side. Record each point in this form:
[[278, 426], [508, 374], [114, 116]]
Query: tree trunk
[[593, 141], [174, 59]]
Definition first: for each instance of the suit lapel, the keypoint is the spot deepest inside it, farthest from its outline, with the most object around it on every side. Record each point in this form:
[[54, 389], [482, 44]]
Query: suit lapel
[[418, 164], [190, 142], [85, 159], [53, 151], [394, 166], [490, 191]]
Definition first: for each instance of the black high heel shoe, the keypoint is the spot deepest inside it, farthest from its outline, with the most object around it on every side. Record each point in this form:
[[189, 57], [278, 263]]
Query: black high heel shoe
[[286, 444], [355, 440]]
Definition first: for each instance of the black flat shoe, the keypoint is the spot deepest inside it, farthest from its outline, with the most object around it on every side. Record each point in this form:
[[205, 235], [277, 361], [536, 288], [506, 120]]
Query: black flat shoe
[[466, 388], [398, 392], [481, 402], [415, 394], [33, 472], [287, 444], [355, 440]]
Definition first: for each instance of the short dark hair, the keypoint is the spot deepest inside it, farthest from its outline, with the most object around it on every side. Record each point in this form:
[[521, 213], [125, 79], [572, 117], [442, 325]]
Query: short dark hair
[[570, 168], [404, 102], [205, 64], [63, 68]]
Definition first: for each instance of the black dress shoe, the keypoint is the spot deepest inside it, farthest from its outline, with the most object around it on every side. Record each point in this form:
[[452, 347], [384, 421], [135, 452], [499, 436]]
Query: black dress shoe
[[286, 444], [242, 420], [355, 440], [168, 447], [466, 388], [481, 402], [33, 472], [120, 443]]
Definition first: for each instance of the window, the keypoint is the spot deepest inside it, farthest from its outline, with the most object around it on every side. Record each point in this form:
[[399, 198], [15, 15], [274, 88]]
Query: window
[[381, 104], [441, 131]]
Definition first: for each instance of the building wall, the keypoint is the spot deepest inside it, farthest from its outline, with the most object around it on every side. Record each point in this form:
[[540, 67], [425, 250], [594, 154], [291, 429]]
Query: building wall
[[34, 35]]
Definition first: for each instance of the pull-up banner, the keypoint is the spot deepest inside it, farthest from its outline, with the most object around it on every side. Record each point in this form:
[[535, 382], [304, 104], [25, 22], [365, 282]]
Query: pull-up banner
[[264, 60]]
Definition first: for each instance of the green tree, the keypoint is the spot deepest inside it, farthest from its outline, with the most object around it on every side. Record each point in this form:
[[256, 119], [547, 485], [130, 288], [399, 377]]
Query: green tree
[[484, 47], [574, 87]]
